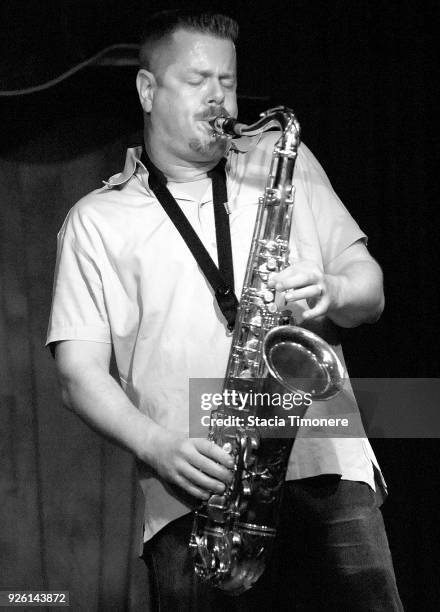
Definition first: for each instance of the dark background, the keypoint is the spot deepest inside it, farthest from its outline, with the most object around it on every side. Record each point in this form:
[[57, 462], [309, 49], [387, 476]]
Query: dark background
[[361, 77]]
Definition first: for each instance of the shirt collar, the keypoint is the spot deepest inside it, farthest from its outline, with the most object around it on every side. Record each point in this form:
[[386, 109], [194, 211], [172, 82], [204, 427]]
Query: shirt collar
[[132, 160]]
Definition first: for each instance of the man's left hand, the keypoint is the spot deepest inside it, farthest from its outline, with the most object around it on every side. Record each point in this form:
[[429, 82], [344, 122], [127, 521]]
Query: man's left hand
[[349, 291], [306, 280]]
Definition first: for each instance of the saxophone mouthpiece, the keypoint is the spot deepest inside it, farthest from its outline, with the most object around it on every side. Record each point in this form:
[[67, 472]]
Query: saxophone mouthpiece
[[226, 127]]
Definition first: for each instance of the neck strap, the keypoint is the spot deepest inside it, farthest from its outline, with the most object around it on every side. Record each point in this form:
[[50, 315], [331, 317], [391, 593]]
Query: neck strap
[[221, 279]]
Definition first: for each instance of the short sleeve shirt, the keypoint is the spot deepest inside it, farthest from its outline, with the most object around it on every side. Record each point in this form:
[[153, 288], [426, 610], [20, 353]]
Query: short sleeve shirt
[[125, 276]]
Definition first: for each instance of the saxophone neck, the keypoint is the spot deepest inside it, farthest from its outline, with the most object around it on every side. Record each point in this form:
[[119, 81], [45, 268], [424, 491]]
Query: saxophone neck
[[279, 116]]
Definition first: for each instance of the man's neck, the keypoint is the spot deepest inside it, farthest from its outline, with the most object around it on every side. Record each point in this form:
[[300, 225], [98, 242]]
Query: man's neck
[[177, 170]]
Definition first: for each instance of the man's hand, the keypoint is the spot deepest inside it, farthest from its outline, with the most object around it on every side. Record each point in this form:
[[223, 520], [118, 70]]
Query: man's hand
[[198, 466], [305, 280], [349, 291]]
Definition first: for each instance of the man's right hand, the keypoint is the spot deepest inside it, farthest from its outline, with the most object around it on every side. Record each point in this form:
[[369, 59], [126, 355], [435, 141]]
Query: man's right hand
[[198, 466]]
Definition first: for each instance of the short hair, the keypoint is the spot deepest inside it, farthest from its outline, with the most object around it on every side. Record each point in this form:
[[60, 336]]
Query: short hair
[[163, 24]]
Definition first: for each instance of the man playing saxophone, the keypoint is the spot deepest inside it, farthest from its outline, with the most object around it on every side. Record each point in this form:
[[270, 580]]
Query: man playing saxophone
[[126, 281]]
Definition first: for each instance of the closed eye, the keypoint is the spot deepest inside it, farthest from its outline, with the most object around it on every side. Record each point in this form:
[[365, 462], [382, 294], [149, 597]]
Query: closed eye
[[229, 83]]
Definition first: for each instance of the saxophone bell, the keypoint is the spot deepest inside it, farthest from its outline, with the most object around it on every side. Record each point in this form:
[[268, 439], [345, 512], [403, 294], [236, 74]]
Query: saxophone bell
[[303, 362]]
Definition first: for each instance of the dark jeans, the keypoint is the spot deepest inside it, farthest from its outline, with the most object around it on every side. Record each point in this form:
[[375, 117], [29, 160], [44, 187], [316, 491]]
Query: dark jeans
[[331, 554]]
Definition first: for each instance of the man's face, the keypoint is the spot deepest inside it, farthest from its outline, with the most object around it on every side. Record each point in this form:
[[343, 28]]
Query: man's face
[[195, 81]]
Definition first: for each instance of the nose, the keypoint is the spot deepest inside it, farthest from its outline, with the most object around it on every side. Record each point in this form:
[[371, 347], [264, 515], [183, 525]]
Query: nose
[[216, 94]]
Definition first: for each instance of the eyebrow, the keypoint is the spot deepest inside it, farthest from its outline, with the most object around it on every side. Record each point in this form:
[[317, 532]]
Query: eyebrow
[[207, 73]]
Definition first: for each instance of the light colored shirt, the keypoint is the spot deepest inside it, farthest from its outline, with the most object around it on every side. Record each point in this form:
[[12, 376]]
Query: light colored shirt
[[125, 276]]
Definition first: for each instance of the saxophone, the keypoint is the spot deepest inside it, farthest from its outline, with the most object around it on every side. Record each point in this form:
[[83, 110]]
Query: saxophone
[[233, 533]]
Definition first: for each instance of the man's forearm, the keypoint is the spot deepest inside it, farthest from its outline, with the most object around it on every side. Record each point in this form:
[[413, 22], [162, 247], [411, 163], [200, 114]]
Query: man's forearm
[[357, 294], [96, 397], [197, 466]]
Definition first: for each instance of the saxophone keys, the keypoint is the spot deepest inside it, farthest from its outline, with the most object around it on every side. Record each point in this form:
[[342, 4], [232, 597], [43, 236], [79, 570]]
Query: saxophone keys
[[255, 322], [251, 347], [246, 488], [268, 296], [271, 246], [217, 507], [245, 374], [272, 195], [271, 264], [263, 272], [254, 440]]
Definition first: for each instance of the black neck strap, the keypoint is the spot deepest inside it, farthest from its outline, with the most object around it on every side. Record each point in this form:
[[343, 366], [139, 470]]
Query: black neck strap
[[221, 279]]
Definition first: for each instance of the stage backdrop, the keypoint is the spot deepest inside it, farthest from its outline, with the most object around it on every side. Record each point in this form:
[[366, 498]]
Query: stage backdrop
[[359, 77]]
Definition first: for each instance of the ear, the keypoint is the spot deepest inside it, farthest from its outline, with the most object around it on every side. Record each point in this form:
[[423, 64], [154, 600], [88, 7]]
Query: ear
[[146, 86]]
